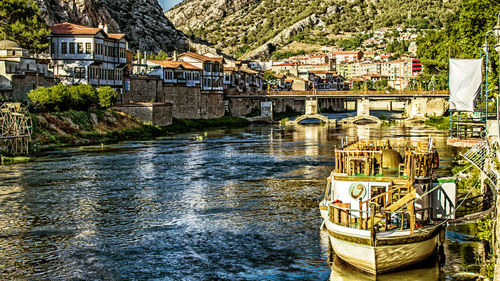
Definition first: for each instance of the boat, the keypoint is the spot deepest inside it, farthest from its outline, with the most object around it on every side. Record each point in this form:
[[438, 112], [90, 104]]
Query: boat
[[382, 208]]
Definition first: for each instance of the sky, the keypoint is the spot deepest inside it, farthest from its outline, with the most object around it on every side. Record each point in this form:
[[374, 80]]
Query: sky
[[167, 4]]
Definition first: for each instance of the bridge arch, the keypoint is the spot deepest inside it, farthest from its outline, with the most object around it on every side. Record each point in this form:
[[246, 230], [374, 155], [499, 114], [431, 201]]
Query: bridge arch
[[311, 116]]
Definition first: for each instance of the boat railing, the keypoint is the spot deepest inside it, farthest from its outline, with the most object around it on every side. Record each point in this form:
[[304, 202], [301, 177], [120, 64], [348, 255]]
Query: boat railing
[[366, 158], [398, 191], [377, 219]]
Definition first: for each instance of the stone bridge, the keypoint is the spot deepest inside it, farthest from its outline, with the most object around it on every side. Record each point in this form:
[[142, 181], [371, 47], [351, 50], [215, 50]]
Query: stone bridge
[[416, 104]]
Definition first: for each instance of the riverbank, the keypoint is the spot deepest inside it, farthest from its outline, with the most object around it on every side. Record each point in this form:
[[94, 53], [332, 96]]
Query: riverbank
[[78, 128], [441, 122]]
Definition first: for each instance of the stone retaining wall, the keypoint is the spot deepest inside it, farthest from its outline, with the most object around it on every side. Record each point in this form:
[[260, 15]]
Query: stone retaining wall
[[159, 114]]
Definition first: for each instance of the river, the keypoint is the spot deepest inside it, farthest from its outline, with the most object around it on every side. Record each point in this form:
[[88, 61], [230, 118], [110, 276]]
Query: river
[[234, 204]]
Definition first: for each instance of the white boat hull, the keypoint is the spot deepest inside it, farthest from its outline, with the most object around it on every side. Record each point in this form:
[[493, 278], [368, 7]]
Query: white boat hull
[[382, 258]]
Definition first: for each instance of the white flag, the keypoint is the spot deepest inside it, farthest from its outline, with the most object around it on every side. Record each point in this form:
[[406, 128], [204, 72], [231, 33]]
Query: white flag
[[465, 79]]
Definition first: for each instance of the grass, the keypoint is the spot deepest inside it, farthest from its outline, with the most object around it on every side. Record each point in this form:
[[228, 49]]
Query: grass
[[46, 137], [442, 122], [15, 159]]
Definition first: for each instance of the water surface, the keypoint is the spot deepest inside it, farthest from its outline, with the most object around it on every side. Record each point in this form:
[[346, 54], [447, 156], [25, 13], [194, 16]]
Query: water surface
[[238, 205]]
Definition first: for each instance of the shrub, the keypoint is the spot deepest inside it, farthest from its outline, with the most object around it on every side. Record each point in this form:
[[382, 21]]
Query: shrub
[[107, 96], [80, 97]]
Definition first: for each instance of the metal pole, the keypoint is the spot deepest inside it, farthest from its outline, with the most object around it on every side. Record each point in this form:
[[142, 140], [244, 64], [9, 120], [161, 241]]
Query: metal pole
[[486, 89]]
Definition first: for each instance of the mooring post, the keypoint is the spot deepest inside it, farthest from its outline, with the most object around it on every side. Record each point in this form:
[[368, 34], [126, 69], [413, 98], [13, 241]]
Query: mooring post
[[373, 234]]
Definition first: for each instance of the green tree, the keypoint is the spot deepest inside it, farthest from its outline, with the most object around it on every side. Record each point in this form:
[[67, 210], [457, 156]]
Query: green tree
[[463, 35], [22, 22], [107, 96]]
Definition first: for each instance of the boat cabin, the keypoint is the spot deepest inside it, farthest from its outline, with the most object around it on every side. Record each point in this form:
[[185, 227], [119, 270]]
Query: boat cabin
[[379, 183]]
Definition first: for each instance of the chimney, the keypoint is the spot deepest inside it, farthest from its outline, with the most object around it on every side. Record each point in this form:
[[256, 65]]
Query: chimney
[[175, 55], [104, 27]]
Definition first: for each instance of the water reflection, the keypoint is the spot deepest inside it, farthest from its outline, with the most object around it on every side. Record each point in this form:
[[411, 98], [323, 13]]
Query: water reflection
[[237, 205]]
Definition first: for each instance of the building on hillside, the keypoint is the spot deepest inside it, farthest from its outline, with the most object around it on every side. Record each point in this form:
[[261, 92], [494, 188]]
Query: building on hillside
[[313, 59], [346, 56], [298, 84], [412, 48], [416, 67], [285, 68], [212, 75], [326, 80], [239, 78], [177, 73], [397, 68], [281, 84], [20, 73], [88, 55]]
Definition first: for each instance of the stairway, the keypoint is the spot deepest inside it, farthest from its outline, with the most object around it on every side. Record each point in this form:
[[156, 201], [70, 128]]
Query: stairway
[[394, 206], [479, 156]]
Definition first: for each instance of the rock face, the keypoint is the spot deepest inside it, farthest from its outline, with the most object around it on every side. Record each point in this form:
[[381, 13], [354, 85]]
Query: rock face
[[195, 14], [253, 28], [143, 21], [265, 50]]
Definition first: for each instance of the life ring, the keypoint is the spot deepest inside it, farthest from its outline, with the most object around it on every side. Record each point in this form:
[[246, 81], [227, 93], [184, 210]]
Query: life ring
[[357, 190]]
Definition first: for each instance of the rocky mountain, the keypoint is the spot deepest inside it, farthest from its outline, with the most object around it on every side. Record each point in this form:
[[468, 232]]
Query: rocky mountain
[[254, 28], [143, 21]]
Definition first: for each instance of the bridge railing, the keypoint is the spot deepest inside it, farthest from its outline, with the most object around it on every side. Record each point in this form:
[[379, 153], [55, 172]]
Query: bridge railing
[[357, 93]]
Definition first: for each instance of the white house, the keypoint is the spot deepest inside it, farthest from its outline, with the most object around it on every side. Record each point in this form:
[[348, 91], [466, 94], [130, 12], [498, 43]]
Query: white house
[[178, 73], [212, 74], [87, 55]]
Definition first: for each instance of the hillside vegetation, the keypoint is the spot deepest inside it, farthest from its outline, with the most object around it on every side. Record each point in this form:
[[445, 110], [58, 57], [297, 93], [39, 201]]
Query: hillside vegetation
[[463, 37], [238, 31]]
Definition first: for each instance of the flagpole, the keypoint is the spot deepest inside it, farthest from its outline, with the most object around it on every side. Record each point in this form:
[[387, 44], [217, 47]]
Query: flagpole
[[451, 115]]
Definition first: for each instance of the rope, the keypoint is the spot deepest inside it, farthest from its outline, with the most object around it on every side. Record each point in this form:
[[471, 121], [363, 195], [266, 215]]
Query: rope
[[454, 211]]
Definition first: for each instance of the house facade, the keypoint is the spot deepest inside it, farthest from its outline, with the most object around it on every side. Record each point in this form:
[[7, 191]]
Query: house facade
[[346, 56], [212, 71], [178, 73], [87, 55], [20, 73], [326, 80]]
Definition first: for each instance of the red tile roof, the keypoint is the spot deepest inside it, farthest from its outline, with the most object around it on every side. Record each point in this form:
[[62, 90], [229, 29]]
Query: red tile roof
[[117, 36], [201, 57], [321, 71], [175, 64], [345, 52], [73, 29]]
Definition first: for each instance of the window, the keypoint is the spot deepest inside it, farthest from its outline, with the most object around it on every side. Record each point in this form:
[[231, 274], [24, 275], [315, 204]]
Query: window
[[209, 83], [196, 76], [79, 72], [64, 48], [208, 67], [169, 75], [71, 48], [52, 48], [88, 47], [80, 48], [216, 67]]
